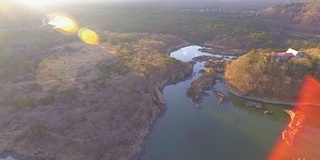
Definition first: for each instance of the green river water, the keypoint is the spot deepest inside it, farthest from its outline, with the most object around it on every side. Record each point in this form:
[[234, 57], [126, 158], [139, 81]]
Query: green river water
[[229, 132]]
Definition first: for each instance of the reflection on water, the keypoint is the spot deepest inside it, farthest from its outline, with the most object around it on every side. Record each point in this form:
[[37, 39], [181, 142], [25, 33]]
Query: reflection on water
[[277, 110], [9, 155], [186, 54], [8, 158], [231, 131]]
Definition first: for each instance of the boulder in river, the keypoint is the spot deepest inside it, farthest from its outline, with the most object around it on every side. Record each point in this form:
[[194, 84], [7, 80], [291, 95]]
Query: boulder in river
[[254, 104], [196, 91], [268, 112], [222, 97]]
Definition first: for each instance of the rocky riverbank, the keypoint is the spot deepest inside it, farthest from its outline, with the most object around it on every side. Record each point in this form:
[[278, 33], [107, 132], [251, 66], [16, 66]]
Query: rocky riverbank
[[265, 100]]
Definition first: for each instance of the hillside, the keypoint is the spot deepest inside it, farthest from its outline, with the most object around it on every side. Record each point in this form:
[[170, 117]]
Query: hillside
[[260, 75], [70, 100], [307, 14]]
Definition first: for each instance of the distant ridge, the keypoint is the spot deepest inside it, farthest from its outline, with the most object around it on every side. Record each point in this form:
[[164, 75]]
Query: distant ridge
[[307, 14]]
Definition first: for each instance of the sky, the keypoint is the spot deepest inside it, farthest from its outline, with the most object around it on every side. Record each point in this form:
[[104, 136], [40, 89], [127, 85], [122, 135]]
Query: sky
[[189, 3]]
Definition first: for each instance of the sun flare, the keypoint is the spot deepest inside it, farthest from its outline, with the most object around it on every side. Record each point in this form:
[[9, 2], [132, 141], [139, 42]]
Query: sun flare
[[88, 36], [63, 23]]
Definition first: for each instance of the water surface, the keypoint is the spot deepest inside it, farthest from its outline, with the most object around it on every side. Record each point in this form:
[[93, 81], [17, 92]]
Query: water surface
[[231, 131]]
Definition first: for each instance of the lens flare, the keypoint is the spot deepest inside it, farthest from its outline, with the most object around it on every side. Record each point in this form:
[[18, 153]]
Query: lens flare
[[300, 139], [63, 23], [89, 36]]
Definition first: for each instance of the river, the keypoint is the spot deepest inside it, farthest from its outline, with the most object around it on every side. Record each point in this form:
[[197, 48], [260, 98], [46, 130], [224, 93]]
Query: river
[[231, 131]]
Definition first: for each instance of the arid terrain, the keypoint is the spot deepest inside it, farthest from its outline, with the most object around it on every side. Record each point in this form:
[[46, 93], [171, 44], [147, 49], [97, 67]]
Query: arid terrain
[[63, 99], [86, 102]]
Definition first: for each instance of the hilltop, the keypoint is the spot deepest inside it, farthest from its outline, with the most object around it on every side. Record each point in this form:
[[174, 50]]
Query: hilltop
[[260, 74], [307, 14]]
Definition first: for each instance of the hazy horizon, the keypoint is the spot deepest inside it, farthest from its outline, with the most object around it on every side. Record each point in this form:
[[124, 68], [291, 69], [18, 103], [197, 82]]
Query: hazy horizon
[[173, 3]]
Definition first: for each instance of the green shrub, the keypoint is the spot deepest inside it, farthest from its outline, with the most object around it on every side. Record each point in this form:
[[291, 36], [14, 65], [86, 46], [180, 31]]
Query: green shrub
[[115, 67], [38, 130], [100, 83], [134, 90], [28, 101], [171, 60], [47, 100], [54, 88], [144, 64]]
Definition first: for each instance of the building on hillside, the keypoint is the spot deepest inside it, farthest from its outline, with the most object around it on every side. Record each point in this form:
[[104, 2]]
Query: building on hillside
[[290, 53], [284, 55]]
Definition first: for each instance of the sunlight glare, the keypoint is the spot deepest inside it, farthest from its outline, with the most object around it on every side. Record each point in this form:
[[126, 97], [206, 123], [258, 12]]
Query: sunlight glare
[[88, 36], [300, 139], [63, 23]]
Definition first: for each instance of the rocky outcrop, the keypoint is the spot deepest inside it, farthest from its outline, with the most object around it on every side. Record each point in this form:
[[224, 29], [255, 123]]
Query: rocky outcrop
[[221, 97], [254, 104], [217, 64], [196, 91]]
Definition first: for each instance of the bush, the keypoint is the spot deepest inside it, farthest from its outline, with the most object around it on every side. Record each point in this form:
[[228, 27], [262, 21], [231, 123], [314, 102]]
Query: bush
[[171, 60], [54, 88], [34, 87], [49, 99], [28, 101], [209, 72], [38, 130]]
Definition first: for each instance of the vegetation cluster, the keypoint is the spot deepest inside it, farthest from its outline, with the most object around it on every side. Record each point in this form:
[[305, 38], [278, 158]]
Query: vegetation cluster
[[260, 74], [295, 13], [143, 53], [236, 31]]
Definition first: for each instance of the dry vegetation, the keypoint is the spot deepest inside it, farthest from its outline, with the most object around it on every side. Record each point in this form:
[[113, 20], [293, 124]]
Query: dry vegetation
[[77, 101], [295, 13]]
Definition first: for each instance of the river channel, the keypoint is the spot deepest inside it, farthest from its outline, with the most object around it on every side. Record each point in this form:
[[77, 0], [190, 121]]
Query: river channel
[[222, 132]]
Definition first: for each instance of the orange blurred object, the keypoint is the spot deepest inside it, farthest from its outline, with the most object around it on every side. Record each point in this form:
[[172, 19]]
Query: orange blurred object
[[301, 138]]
